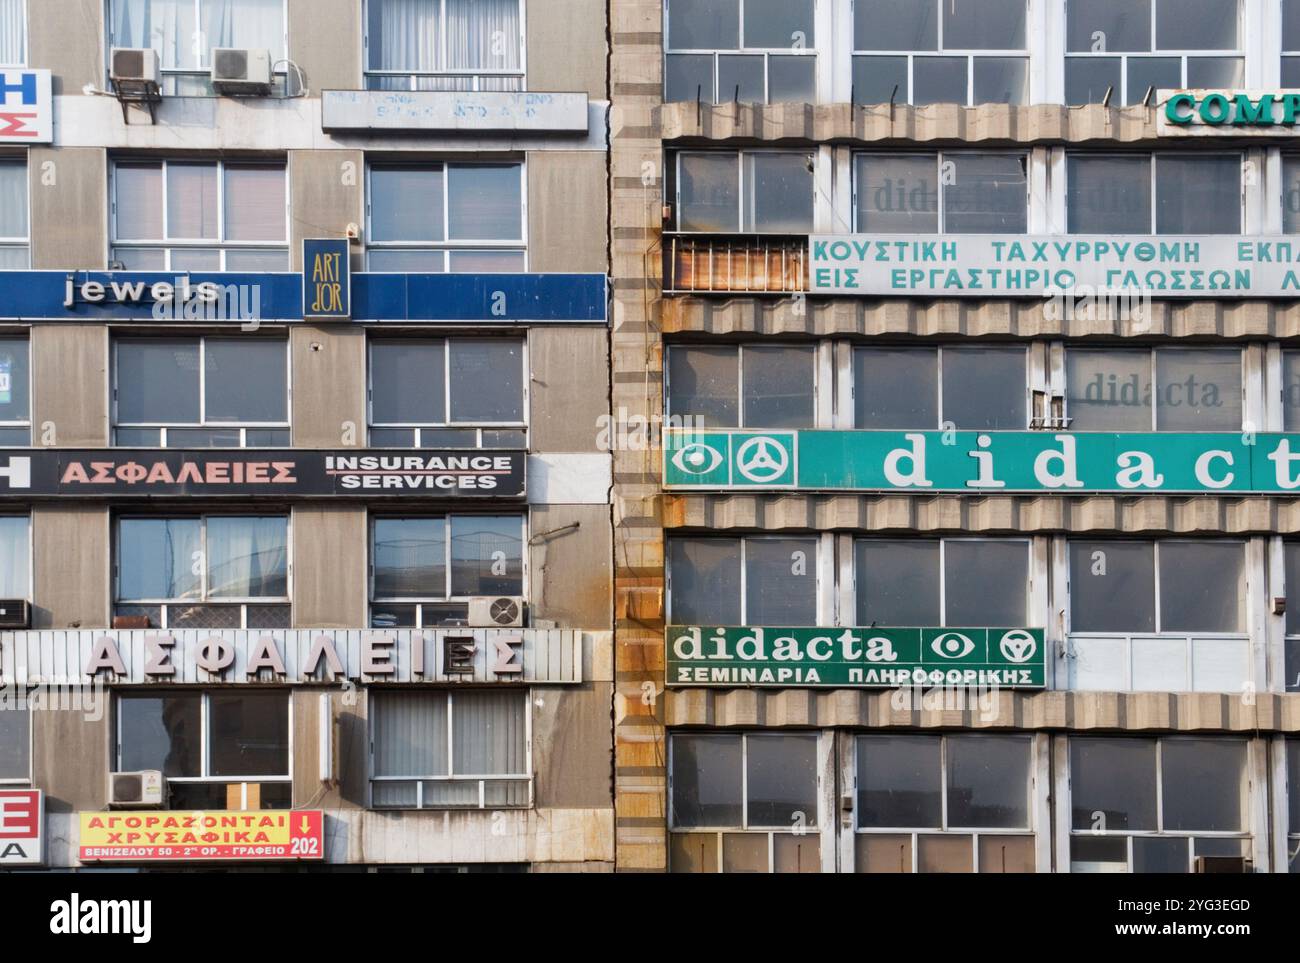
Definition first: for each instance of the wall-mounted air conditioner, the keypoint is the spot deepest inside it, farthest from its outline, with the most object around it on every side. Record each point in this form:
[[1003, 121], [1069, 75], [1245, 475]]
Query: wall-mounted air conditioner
[[139, 64], [15, 614], [496, 611], [241, 72], [136, 790]]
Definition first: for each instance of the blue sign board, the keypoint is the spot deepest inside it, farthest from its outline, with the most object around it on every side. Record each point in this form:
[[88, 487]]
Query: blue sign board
[[326, 280]]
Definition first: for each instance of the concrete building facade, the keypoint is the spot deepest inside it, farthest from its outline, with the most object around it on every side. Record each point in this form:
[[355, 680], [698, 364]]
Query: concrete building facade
[[316, 291]]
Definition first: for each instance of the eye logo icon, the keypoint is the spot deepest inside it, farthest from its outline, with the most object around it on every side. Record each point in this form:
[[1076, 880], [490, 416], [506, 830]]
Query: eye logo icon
[[762, 460], [952, 645], [1018, 646], [697, 459]]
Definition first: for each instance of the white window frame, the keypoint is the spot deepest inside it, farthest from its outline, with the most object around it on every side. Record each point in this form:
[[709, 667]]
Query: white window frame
[[204, 601], [26, 780], [26, 39], [817, 382], [810, 153], [453, 778], [243, 427], [1121, 97], [24, 243], [419, 427], [26, 422], [819, 567], [448, 246], [205, 740], [476, 77], [220, 244], [939, 157], [1248, 836], [1153, 157], [448, 597]]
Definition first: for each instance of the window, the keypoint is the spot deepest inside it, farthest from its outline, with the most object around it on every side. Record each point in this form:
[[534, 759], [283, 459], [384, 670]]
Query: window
[[204, 572], [758, 580], [1290, 43], [762, 51], [970, 388], [1130, 47], [204, 392], [1112, 194], [13, 33], [1165, 389], [1291, 645], [185, 32], [1154, 805], [218, 750], [14, 244], [746, 386], [760, 787], [763, 192], [444, 45], [980, 193], [447, 217], [200, 216], [424, 568], [450, 750], [15, 393], [940, 52], [1174, 586], [951, 582], [1291, 186], [944, 804], [15, 558], [1293, 797], [450, 393], [15, 743]]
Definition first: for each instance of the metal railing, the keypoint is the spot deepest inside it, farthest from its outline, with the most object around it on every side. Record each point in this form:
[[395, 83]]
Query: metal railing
[[732, 264]]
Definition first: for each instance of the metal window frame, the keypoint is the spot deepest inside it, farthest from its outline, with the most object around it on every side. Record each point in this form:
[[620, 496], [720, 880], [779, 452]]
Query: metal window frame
[[475, 76], [26, 341], [940, 156], [741, 155], [819, 588]]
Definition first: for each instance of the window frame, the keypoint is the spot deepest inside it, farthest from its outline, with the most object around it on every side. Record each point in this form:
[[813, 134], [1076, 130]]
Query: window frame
[[242, 603], [31, 551], [816, 387], [23, 244], [205, 737], [476, 77], [812, 828], [421, 601], [162, 427], [1153, 157], [30, 750], [1248, 788], [448, 246], [740, 154], [814, 563], [453, 778], [222, 245], [939, 157], [1027, 54], [1156, 53], [26, 423], [26, 44]]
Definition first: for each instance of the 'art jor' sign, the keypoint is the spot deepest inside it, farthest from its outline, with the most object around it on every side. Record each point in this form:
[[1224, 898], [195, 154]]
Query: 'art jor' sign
[[326, 280], [984, 462]]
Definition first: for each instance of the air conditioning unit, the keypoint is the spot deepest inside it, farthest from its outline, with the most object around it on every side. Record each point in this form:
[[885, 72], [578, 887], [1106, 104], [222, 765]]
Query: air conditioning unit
[[237, 71], [496, 611], [136, 790], [139, 64], [1223, 864], [15, 614]]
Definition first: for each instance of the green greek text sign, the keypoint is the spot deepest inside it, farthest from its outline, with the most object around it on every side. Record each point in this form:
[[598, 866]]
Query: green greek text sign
[[994, 462], [738, 656], [1232, 109]]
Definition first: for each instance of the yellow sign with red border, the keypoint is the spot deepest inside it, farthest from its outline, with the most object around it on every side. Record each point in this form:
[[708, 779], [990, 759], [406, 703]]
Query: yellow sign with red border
[[148, 836]]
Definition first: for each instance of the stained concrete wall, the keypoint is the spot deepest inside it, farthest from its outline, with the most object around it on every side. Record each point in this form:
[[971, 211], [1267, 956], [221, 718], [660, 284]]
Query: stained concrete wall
[[567, 205], [71, 551], [70, 385], [68, 188], [326, 194], [569, 388], [325, 41], [329, 566], [567, 46], [328, 365], [66, 37]]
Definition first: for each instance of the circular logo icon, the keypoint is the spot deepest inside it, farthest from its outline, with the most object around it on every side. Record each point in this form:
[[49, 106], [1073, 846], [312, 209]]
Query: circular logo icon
[[697, 458], [1018, 646], [762, 460], [952, 645]]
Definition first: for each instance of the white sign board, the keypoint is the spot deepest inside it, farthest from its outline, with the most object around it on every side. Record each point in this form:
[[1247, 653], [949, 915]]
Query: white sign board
[[26, 106], [1018, 265], [445, 110]]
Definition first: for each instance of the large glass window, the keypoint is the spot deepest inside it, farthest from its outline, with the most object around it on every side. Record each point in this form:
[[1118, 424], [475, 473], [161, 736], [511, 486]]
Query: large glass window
[[15, 557], [15, 744], [955, 804], [747, 192], [1165, 389], [1161, 194], [449, 750], [1291, 183], [1132, 47], [203, 572], [1154, 805], [447, 393], [743, 386], [762, 51], [922, 389], [447, 217], [758, 580], [424, 568], [1293, 809], [1291, 644], [1174, 586], [14, 233], [218, 750], [444, 44], [761, 788], [15, 392], [185, 32], [940, 52], [175, 215], [1290, 43], [201, 392], [13, 33], [957, 582], [953, 193]]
